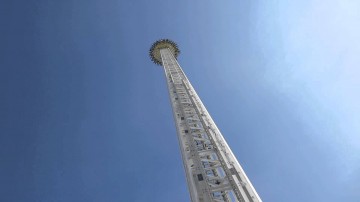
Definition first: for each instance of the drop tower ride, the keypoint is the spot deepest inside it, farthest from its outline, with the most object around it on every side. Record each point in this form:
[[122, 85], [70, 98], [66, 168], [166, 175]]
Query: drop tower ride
[[212, 171]]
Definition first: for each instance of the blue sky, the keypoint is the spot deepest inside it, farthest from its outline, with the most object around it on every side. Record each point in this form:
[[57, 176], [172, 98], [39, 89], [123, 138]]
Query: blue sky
[[85, 115]]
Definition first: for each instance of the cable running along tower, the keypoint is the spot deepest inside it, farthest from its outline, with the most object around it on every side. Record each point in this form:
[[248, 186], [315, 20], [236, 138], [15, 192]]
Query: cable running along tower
[[212, 171]]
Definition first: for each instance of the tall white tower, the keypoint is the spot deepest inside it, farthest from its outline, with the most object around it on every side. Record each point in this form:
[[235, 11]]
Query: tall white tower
[[212, 171]]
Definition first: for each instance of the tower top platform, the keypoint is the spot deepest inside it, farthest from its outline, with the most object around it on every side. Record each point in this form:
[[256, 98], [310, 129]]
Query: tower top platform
[[160, 44]]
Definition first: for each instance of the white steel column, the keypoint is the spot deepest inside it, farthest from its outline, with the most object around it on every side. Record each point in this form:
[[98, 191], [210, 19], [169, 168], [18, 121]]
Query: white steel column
[[212, 171]]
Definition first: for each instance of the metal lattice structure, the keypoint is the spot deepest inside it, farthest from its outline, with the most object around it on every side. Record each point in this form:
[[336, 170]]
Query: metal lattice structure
[[212, 171]]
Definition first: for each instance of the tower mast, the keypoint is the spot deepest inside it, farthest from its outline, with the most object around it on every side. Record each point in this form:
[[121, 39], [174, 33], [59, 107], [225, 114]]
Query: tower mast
[[213, 173]]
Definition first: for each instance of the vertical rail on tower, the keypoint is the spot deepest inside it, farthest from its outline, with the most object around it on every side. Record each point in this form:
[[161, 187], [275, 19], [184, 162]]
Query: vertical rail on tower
[[212, 171]]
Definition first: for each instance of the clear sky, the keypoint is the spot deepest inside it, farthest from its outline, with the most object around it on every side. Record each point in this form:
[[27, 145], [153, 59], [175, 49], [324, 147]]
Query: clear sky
[[85, 115]]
